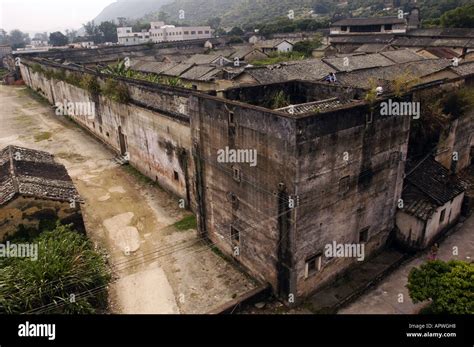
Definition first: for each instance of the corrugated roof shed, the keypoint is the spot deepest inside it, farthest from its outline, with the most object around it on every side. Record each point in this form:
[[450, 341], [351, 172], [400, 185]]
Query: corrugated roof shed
[[33, 173], [202, 59], [429, 185]]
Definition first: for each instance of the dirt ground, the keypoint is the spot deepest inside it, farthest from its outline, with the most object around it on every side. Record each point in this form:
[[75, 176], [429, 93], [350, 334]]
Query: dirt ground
[[157, 268]]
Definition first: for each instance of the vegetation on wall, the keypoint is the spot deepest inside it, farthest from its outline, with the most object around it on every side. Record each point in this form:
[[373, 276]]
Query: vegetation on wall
[[116, 91], [449, 286], [66, 270]]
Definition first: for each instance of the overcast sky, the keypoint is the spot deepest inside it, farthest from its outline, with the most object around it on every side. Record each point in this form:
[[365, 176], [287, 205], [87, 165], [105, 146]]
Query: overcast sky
[[47, 15]]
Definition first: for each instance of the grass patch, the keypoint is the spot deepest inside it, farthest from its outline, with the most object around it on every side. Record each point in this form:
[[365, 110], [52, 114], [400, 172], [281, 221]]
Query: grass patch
[[186, 223], [42, 136]]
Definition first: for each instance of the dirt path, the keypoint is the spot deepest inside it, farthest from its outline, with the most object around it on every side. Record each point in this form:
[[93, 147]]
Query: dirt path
[[158, 268]]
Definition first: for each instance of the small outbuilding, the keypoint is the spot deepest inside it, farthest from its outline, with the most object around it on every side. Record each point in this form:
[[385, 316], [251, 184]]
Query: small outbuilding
[[35, 189], [432, 200]]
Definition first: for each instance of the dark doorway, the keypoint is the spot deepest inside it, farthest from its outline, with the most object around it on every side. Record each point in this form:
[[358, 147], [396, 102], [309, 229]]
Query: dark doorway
[[122, 141]]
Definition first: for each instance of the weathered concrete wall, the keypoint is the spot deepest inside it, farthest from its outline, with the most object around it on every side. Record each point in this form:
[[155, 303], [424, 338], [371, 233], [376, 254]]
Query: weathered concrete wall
[[154, 124], [28, 212], [254, 210], [350, 176]]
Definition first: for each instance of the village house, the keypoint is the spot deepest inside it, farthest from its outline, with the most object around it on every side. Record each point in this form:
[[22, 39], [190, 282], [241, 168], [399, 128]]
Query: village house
[[34, 188], [431, 202]]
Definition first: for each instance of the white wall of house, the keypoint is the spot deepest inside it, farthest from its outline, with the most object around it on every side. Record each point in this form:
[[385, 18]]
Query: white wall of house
[[284, 47], [172, 33], [436, 224]]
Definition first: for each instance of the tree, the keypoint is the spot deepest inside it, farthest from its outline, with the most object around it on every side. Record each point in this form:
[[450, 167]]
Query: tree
[[66, 264], [236, 31], [108, 31], [18, 39], [461, 17], [58, 39], [449, 286]]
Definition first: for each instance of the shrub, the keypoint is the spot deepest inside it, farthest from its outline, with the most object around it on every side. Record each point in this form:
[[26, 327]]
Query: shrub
[[116, 91], [89, 83]]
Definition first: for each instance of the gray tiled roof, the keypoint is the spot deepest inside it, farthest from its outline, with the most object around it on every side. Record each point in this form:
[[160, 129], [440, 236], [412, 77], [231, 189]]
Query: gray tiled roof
[[310, 70], [402, 56], [315, 106], [357, 62], [361, 39], [429, 185], [196, 72], [33, 173], [416, 69], [464, 69], [443, 32], [202, 59]]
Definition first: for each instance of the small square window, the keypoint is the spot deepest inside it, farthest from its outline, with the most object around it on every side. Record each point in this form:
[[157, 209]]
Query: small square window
[[364, 235], [176, 176], [236, 174], [313, 265], [234, 235], [442, 216]]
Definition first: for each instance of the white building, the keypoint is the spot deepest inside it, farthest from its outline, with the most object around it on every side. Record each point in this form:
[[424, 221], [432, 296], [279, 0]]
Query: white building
[[160, 32], [126, 36]]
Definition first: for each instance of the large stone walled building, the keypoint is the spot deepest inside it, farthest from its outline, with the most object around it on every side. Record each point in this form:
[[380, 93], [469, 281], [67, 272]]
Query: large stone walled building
[[327, 167]]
